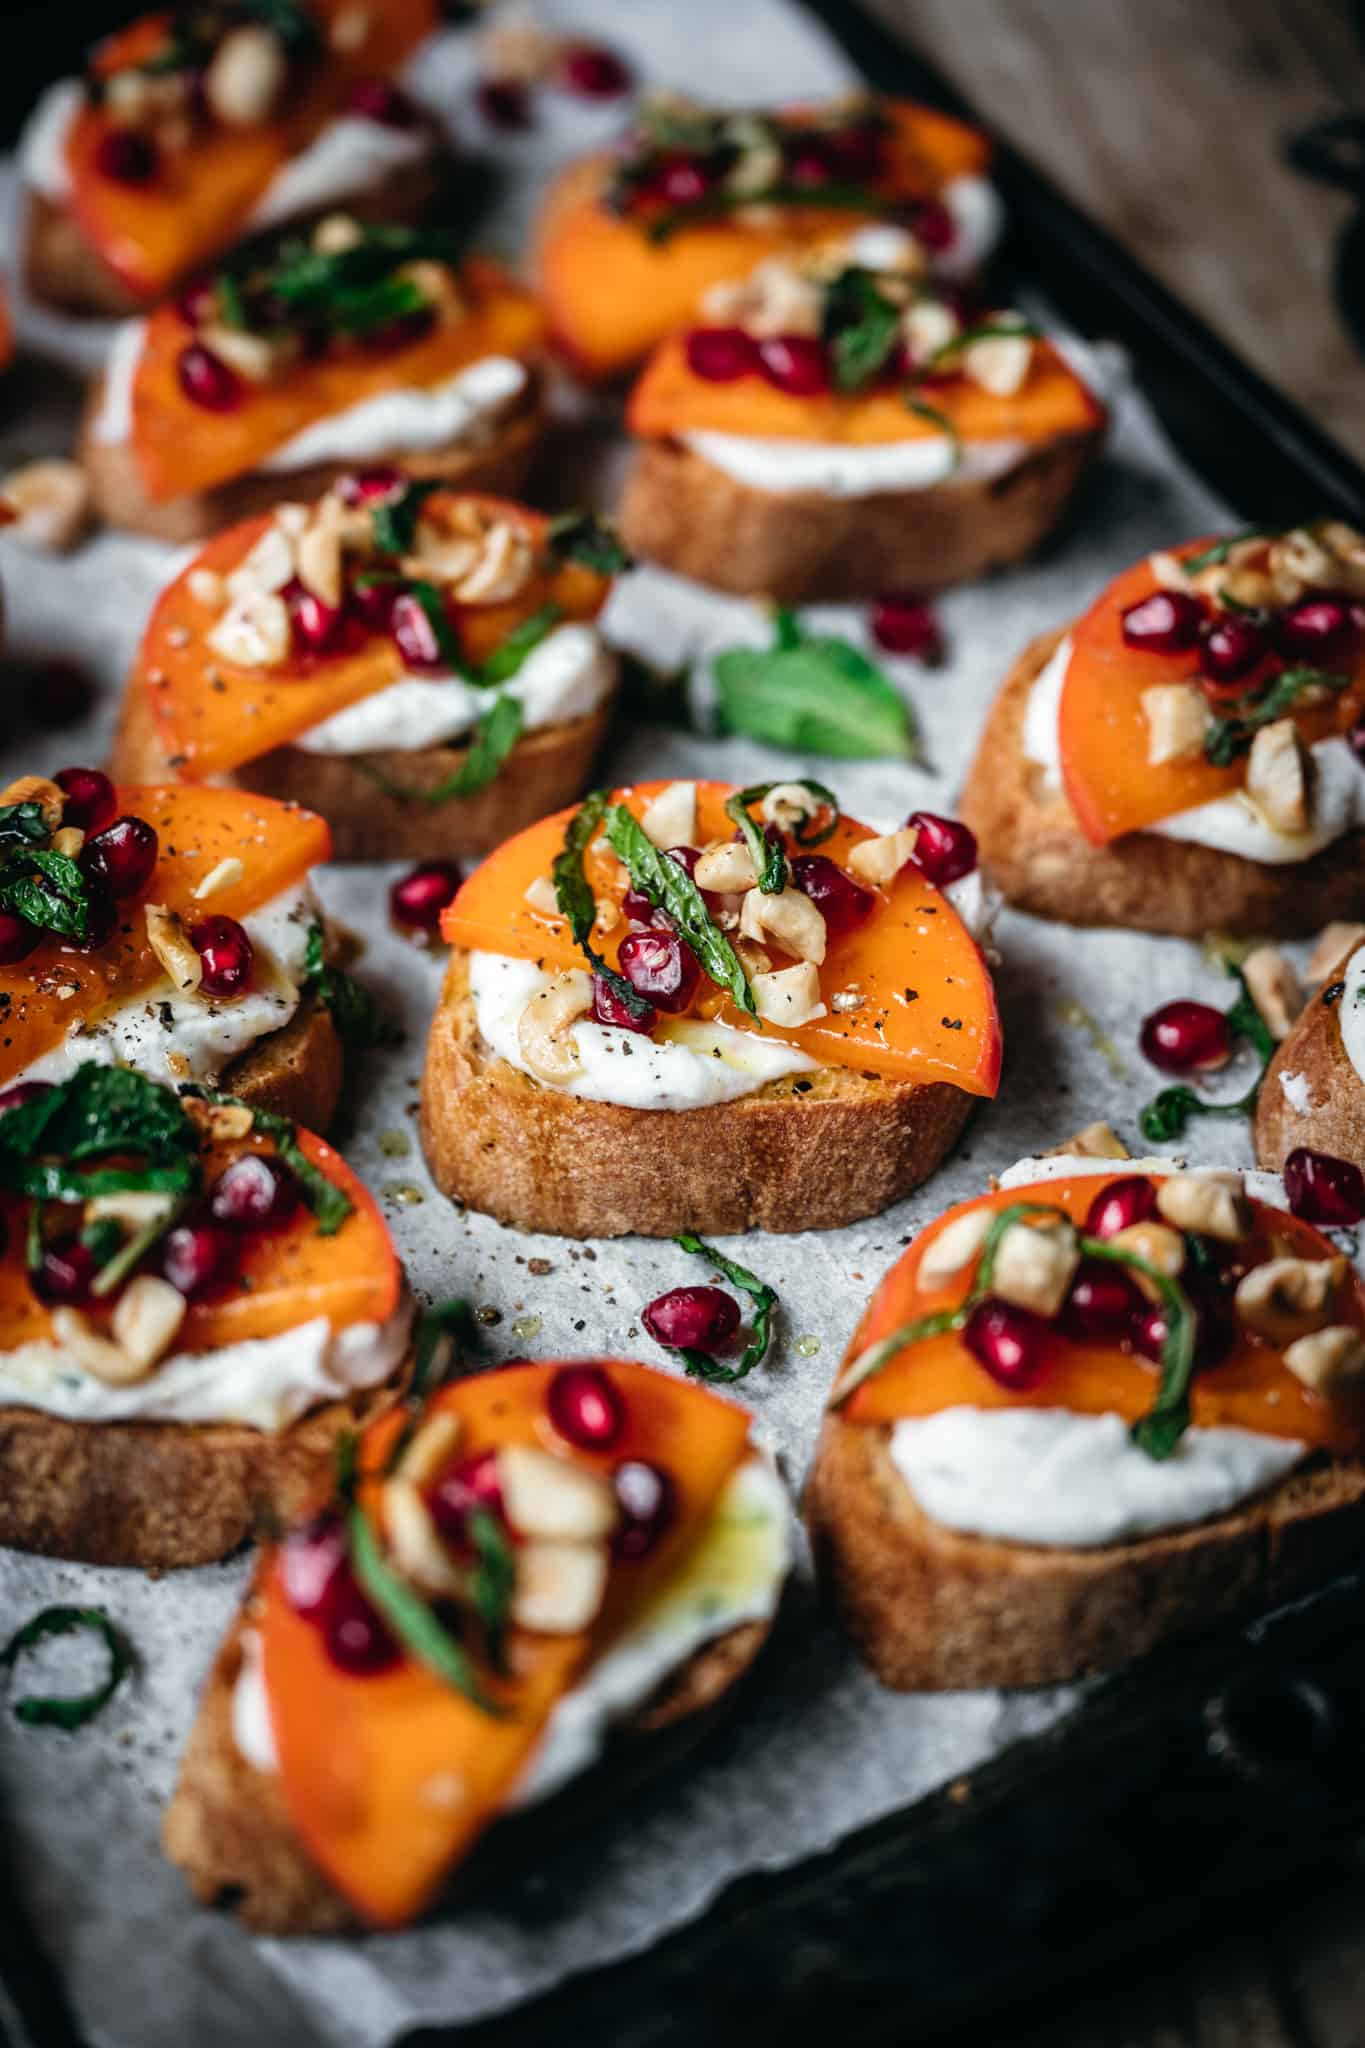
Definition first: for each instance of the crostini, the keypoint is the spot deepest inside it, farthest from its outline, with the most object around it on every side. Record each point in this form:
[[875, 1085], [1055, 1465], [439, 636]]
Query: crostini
[[197, 125], [628, 242], [286, 368], [1109, 1403], [690, 1007], [1310, 1112], [196, 1300], [422, 666], [171, 930], [1189, 757], [545, 1565], [837, 429]]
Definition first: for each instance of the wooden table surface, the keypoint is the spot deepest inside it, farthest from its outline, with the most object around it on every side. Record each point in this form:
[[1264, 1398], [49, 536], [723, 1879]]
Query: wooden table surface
[[1166, 120]]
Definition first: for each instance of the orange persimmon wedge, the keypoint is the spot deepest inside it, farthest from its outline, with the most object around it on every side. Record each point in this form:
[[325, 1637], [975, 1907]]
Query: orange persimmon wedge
[[55, 987], [1103, 733], [181, 449], [1251, 1387], [612, 293], [670, 399], [390, 1779], [212, 716], [928, 1011], [151, 235]]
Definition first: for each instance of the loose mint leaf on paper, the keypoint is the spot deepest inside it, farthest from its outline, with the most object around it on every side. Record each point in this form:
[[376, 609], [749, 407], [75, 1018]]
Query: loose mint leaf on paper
[[700, 1364], [814, 694], [68, 1711]]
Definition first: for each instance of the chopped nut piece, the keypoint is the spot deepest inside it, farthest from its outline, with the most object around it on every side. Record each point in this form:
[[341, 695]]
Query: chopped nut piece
[[1158, 1245], [246, 76], [1035, 1265], [956, 1245], [349, 30], [789, 805], [1328, 1358], [790, 997], [1333, 943], [879, 861], [36, 789], [1280, 777], [257, 357], [999, 363], [927, 326], [52, 500], [1168, 571], [147, 1318], [430, 1449], [726, 866], [1095, 1141], [541, 896], [1213, 1203], [670, 818], [319, 559], [1177, 717], [552, 1497], [94, 1354], [846, 999], [168, 939], [1288, 1298], [336, 234], [1274, 988], [544, 1025], [776, 298], [502, 568], [790, 918], [254, 631], [415, 1542], [68, 841], [269, 565], [132, 1206], [606, 915], [559, 1586], [225, 875]]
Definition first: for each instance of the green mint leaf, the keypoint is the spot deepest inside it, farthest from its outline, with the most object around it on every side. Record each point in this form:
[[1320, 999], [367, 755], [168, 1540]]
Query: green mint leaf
[[671, 888], [358, 1017], [45, 1143], [393, 521], [22, 825], [494, 1579], [818, 695], [860, 327], [770, 862], [1161, 1428], [1229, 737], [700, 1365], [582, 537], [492, 740], [1221, 549], [68, 1711], [661, 227], [408, 1615], [509, 654], [575, 898]]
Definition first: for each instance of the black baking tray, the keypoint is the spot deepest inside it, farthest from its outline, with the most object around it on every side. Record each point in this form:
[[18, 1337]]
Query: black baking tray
[[1172, 1789]]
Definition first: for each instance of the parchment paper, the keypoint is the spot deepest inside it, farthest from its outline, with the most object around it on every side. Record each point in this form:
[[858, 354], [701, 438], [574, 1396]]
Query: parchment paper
[[822, 1749]]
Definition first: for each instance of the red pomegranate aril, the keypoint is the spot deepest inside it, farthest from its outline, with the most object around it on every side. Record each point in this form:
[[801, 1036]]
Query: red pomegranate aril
[[368, 486], [199, 1258], [608, 1008], [1317, 628], [225, 953], [122, 856], [720, 354], [1231, 649], [315, 624], [372, 605], [462, 1488], [197, 303], [66, 1273], [594, 71], [1324, 1189], [795, 363], [254, 1193], [414, 635], [1124, 1202], [127, 157], [376, 99], [637, 909], [685, 857], [1186, 1038], [586, 1407], [504, 103], [207, 381], [356, 1637], [945, 849], [682, 182], [91, 798], [934, 226], [1167, 622], [1103, 1304], [905, 625], [1148, 1333], [17, 938], [693, 1318], [1013, 1344], [841, 901], [647, 1501], [310, 1557], [20, 1093], [661, 967], [418, 898], [810, 165]]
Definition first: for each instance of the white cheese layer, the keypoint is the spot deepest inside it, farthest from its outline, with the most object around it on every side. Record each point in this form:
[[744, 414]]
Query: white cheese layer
[[840, 470], [1230, 824], [685, 1065], [978, 217], [733, 1574], [463, 409], [568, 675], [206, 1032], [263, 1383], [41, 148], [1351, 1011]]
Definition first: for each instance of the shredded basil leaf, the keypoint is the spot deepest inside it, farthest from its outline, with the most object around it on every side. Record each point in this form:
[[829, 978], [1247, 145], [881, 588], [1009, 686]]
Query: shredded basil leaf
[[1161, 1428], [410, 1618], [814, 694], [672, 889], [492, 740], [860, 326], [356, 1014], [575, 899], [494, 1580], [700, 1365], [1221, 549], [1228, 737], [767, 855], [509, 654], [68, 1711]]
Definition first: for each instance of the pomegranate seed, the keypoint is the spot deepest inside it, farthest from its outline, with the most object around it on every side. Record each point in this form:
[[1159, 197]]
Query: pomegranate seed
[[376, 99], [682, 182], [594, 71], [207, 381], [418, 898], [934, 227], [22, 1092], [197, 303], [810, 166], [17, 938], [315, 625], [310, 1558], [254, 1193], [1103, 1304], [504, 103], [693, 1318], [1324, 1189], [372, 605], [1123, 1202], [661, 967], [127, 157], [1231, 649], [685, 857], [720, 354], [857, 153], [65, 1273], [57, 694], [414, 635], [608, 1008], [91, 799], [369, 486], [841, 901], [638, 910], [945, 849], [1013, 1344], [647, 1501], [226, 953], [101, 919], [903, 624], [1149, 1333], [121, 857], [1317, 628], [198, 1259], [1167, 622], [357, 1639], [1186, 1038], [795, 363], [586, 1407], [473, 1483]]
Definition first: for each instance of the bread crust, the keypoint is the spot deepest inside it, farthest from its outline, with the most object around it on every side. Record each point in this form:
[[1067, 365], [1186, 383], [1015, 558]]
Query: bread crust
[[1032, 849], [933, 1610], [228, 1831], [802, 546], [295, 1071], [547, 769], [809, 1152], [1334, 1120]]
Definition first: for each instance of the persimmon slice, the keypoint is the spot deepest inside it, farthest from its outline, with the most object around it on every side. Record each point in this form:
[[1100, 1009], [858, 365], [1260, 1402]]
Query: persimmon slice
[[1110, 784], [43, 996], [928, 1011], [180, 449], [390, 1779], [1251, 1387], [212, 716]]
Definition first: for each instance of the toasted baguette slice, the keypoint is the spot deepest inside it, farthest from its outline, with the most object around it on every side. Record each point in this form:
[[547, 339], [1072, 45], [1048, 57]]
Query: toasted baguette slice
[[1331, 1092], [227, 1829], [548, 768], [808, 1152], [802, 546], [1034, 851], [295, 1071], [498, 465], [934, 1610]]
